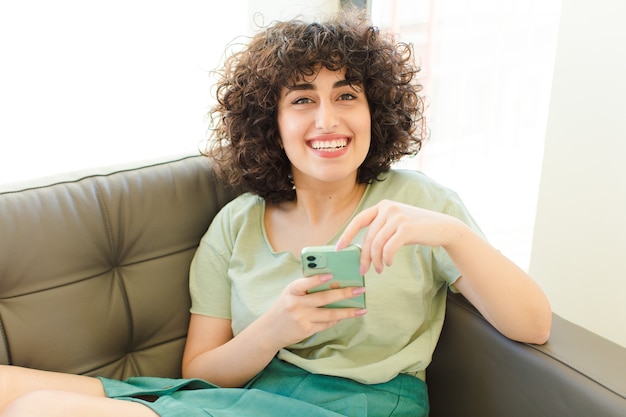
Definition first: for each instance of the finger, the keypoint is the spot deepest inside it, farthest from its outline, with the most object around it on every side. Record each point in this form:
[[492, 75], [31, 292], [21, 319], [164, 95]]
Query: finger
[[375, 241], [366, 249], [361, 220], [388, 242], [335, 315], [303, 285], [392, 246], [323, 298]]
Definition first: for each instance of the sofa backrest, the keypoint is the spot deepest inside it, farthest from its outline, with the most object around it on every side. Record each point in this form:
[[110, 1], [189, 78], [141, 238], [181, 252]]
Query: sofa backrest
[[94, 272]]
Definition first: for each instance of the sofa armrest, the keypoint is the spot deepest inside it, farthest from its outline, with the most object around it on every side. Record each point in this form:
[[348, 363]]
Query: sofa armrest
[[478, 372]]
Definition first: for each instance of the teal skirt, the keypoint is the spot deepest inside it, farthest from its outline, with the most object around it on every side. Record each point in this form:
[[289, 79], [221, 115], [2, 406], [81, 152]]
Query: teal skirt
[[281, 389]]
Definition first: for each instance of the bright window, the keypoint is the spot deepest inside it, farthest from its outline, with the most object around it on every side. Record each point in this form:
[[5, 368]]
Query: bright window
[[487, 72], [90, 83]]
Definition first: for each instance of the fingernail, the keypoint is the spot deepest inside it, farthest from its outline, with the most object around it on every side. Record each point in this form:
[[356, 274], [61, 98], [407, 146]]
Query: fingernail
[[360, 312], [358, 290], [362, 269], [326, 277]]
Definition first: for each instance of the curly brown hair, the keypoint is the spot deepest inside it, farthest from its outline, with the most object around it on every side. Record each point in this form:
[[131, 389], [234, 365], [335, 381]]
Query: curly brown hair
[[245, 140]]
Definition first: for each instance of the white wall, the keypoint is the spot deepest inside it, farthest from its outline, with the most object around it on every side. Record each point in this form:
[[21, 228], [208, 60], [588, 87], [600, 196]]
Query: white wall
[[579, 249]]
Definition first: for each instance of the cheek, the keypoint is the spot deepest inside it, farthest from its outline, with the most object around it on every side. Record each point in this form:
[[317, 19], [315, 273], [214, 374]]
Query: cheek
[[287, 127], [290, 137], [365, 118], [365, 127]]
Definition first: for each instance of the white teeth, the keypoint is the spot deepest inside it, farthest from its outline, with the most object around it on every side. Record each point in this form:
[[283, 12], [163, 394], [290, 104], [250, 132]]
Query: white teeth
[[329, 145]]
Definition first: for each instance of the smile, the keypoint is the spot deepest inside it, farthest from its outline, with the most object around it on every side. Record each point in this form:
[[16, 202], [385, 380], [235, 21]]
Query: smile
[[329, 145]]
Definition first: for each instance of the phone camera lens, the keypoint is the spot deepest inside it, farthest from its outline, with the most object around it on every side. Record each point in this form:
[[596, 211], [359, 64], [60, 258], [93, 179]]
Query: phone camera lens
[[312, 264], [310, 258]]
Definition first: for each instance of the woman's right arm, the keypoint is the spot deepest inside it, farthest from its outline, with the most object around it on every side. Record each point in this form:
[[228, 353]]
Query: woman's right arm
[[213, 354]]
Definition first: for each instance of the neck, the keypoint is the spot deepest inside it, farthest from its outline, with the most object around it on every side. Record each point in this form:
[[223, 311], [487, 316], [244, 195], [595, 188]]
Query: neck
[[319, 211], [317, 204]]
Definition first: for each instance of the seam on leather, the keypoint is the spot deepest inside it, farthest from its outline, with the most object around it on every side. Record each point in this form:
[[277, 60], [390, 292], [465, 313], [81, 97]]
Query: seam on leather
[[140, 165], [133, 363], [162, 256], [117, 277], [111, 270], [164, 342], [105, 217], [129, 315], [130, 355], [54, 287], [5, 342], [580, 370]]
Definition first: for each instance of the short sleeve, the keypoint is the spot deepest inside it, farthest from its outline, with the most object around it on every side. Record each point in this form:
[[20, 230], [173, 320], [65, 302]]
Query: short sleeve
[[209, 284], [443, 265]]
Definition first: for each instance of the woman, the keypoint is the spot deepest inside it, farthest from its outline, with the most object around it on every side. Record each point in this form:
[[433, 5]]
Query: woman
[[309, 120]]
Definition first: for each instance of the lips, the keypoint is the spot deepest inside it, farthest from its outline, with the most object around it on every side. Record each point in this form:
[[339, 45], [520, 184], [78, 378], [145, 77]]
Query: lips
[[331, 145]]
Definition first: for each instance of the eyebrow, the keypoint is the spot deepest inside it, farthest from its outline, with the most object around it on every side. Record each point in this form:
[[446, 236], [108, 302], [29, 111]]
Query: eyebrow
[[310, 86]]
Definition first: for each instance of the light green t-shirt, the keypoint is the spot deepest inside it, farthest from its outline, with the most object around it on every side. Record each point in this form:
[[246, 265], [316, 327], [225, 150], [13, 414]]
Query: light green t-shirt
[[236, 274]]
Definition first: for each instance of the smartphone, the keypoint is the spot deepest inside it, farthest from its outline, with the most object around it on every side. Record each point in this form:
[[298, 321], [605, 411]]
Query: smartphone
[[345, 265]]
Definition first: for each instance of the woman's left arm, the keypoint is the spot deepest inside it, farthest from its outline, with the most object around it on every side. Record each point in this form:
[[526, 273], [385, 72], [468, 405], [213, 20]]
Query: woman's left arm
[[504, 294]]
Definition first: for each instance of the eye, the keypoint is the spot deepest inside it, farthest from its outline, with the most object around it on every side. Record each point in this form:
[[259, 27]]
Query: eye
[[302, 100], [347, 96]]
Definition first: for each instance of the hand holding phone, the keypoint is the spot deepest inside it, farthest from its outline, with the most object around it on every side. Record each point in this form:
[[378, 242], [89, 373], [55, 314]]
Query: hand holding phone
[[344, 265]]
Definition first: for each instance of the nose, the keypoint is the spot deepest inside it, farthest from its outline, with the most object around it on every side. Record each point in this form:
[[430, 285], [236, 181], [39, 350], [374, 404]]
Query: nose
[[326, 117]]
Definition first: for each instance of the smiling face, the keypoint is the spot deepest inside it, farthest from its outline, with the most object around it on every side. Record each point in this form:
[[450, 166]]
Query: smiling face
[[324, 124]]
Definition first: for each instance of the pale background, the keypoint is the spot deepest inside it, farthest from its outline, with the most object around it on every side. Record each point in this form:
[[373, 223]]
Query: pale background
[[579, 244]]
